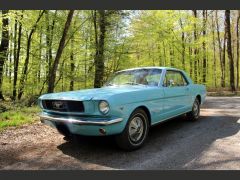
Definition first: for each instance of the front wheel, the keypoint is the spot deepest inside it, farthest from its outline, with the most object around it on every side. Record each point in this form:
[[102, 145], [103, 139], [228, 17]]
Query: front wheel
[[194, 114], [135, 133]]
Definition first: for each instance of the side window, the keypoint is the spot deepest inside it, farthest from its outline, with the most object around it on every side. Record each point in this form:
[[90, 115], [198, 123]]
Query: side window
[[174, 79]]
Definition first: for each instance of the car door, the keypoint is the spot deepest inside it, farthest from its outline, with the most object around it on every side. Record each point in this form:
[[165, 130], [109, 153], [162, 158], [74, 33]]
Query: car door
[[176, 93]]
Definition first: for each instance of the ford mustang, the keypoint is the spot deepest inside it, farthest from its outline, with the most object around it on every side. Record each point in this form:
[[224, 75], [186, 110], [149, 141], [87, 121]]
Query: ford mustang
[[130, 103]]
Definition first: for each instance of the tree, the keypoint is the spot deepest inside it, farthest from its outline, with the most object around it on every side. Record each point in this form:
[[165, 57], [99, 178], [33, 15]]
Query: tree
[[204, 47], [17, 48], [195, 47], [72, 66], [183, 44], [52, 73], [237, 63], [229, 49], [3, 47], [25, 68], [99, 45], [214, 52], [221, 51]]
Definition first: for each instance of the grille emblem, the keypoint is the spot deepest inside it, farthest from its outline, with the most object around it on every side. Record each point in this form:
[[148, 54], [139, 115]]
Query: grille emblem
[[58, 105]]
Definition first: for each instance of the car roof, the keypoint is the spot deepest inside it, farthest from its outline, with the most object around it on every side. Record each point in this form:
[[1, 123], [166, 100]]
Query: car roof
[[149, 67]]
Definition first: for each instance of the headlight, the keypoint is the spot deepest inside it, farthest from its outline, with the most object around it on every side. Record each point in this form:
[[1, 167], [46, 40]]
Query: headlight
[[103, 107]]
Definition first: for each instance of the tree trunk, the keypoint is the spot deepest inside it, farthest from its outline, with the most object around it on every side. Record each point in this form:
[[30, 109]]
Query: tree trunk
[[221, 51], [49, 41], [183, 46], [99, 56], [214, 53], [224, 60], [204, 47], [52, 74], [237, 65], [16, 58], [229, 49], [3, 47], [72, 67], [195, 48], [25, 67], [171, 55]]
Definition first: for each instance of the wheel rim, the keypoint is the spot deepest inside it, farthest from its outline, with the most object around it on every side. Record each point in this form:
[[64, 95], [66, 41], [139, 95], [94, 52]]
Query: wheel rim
[[195, 109], [136, 129]]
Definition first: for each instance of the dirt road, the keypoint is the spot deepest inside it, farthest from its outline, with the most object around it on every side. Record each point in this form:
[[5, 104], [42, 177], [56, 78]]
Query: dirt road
[[213, 142]]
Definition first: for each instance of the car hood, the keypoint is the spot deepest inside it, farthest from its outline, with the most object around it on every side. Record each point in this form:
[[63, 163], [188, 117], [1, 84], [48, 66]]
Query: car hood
[[94, 94]]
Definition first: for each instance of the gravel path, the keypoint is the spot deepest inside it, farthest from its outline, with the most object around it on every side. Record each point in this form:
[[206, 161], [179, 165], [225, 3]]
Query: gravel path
[[213, 142]]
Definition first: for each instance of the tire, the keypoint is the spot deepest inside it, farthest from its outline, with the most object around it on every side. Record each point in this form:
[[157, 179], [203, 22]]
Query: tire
[[135, 133], [194, 114]]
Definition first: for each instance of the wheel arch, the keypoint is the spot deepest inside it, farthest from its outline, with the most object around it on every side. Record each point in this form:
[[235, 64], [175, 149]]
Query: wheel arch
[[146, 111]]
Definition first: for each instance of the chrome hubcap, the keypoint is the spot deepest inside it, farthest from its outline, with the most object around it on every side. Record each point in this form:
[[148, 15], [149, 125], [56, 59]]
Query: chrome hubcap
[[195, 109], [136, 129]]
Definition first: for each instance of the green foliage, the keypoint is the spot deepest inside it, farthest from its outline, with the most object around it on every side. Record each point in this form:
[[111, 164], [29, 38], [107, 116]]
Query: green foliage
[[133, 39], [17, 115]]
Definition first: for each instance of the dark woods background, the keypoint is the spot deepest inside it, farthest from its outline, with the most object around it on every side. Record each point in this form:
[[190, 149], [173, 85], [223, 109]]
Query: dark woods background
[[44, 51]]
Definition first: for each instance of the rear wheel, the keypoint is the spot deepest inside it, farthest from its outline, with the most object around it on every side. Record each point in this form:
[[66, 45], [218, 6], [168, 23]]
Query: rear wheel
[[135, 132], [194, 114]]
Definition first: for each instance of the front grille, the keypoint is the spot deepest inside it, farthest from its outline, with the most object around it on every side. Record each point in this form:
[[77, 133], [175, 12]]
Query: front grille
[[63, 105]]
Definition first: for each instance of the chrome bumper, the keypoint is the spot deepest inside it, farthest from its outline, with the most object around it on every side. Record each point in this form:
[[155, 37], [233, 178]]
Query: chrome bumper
[[44, 116]]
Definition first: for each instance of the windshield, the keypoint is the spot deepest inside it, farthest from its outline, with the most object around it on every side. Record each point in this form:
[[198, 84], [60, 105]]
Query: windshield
[[150, 77]]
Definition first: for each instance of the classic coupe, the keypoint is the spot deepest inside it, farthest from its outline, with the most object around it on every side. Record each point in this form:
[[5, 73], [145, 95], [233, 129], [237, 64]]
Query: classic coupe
[[130, 103]]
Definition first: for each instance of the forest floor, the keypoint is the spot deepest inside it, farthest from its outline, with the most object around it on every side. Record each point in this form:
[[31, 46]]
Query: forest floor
[[213, 142]]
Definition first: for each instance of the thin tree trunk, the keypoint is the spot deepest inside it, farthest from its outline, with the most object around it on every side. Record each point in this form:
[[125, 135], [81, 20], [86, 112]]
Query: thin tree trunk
[[164, 54], [171, 55], [204, 47], [40, 58], [221, 51], [16, 59], [49, 41], [195, 48], [3, 47], [224, 60], [72, 67], [11, 54], [52, 74], [25, 67], [214, 54], [85, 63], [183, 45], [229, 49], [99, 57], [237, 63]]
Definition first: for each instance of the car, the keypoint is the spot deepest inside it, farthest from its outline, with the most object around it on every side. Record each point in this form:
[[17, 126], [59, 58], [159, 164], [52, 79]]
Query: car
[[129, 103]]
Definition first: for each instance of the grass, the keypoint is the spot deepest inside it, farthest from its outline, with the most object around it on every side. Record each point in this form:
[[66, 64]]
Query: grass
[[16, 115]]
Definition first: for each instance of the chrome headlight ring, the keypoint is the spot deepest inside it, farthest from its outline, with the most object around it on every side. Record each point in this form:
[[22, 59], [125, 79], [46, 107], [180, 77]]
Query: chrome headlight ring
[[103, 107]]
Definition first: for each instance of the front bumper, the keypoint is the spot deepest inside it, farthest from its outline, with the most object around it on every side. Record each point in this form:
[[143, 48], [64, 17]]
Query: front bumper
[[79, 121], [84, 125]]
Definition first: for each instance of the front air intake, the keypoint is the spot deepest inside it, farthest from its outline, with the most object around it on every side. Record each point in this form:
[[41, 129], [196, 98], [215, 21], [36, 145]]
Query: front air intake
[[63, 105]]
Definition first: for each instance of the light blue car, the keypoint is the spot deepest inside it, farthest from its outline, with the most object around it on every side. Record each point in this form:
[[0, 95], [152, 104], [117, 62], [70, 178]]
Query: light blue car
[[129, 103]]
